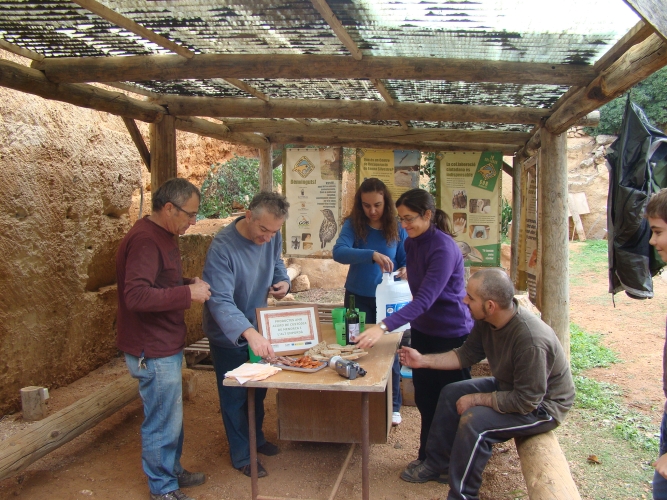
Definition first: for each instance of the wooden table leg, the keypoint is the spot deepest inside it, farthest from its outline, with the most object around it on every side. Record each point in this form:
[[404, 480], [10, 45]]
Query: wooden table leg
[[365, 446], [252, 434]]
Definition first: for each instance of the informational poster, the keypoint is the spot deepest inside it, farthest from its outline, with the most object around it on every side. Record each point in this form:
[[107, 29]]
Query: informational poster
[[313, 179], [530, 258], [398, 169], [468, 190]]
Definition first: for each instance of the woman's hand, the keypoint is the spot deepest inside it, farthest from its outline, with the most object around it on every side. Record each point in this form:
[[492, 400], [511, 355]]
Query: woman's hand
[[370, 337], [385, 263], [402, 273]]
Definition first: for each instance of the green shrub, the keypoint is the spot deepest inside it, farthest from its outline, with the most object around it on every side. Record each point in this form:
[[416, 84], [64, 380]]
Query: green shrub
[[236, 180]]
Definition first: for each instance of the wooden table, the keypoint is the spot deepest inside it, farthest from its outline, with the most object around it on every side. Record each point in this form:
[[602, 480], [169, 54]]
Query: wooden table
[[328, 383]]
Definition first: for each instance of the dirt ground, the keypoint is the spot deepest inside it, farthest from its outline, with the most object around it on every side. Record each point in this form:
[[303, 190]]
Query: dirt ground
[[105, 462]]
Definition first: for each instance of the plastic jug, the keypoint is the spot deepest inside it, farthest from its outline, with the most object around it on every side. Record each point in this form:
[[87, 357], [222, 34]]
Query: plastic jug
[[390, 296]]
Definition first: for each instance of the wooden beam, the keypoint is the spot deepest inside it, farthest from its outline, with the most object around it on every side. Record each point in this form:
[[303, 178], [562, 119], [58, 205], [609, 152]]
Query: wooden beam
[[289, 66], [247, 88], [351, 142], [516, 219], [508, 169], [382, 89], [32, 81], [636, 64], [124, 22], [163, 152], [348, 130], [218, 131], [325, 11], [348, 110], [637, 34], [653, 12], [265, 169], [138, 141], [552, 193], [545, 468], [25, 447], [20, 51], [132, 88]]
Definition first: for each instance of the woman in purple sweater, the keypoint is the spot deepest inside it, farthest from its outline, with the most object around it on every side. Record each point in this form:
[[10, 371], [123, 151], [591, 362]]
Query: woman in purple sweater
[[439, 319]]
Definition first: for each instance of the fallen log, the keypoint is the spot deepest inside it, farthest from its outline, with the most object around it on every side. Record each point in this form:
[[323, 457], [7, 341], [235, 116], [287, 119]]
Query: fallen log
[[22, 449], [545, 468], [293, 270]]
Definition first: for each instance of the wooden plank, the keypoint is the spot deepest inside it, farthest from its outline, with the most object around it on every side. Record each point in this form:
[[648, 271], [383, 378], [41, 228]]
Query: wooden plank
[[32, 81], [307, 66], [637, 34], [330, 417], [229, 107], [124, 22], [247, 88], [20, 450], [325, 11], [653, 12], [383, 132], [635, 65], [545, 468], [138, 141], [20, 51], [516, 219], [218, 131], [163, 152]]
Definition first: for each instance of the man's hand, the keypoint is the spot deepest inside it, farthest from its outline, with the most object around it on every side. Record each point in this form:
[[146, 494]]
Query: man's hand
[[411, 357], [200, 291], [661, 466], [385, 263], [259, 345], [278, 291], [470, 400]]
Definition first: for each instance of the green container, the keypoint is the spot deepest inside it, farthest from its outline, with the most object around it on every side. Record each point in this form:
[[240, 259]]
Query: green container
[[340, 333], [338, 315], [253, 357], [362, 320]]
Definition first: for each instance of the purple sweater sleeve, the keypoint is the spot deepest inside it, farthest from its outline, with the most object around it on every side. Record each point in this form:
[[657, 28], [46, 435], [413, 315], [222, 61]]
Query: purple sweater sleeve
[[429, 282]]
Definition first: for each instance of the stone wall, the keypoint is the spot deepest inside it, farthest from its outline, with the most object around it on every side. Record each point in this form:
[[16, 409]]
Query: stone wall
[[71, 181]]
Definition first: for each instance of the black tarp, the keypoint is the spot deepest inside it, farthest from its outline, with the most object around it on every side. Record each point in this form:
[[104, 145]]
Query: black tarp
[[637, 168]]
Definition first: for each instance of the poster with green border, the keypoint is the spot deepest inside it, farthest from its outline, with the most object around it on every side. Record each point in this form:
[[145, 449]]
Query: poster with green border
[[468, 187]]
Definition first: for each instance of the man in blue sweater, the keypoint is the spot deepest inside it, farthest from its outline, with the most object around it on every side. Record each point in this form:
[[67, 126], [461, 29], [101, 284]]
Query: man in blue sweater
[[243, 266]]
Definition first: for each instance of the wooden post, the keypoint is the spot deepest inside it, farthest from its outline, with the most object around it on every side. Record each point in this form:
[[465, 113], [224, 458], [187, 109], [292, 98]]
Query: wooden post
[[516, 218], [33, 402], [20, 450], [163, 151], [545, 468], [265, 169], [552, 195]]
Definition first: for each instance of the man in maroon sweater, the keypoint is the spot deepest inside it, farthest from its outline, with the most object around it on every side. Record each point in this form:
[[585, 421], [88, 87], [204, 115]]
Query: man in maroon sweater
[[152, 298]]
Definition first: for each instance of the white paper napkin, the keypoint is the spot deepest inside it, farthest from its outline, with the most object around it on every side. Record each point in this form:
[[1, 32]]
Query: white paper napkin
[[252, 371]]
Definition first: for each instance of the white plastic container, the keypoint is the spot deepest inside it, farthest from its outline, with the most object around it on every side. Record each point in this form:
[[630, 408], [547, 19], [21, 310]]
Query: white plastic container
[[390, 296]]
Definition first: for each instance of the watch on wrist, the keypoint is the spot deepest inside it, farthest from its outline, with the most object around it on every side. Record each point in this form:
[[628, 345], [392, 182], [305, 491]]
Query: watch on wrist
[[383, 327]]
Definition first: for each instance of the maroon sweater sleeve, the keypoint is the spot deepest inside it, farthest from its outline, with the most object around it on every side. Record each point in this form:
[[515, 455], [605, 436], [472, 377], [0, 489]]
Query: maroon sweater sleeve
[[152, 278]]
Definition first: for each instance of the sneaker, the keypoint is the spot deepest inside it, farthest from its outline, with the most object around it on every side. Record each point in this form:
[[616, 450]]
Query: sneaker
[[261, 471], [396, 418], [172, 495], [268, 449], [414, 464], [188, 479], [422, 474]]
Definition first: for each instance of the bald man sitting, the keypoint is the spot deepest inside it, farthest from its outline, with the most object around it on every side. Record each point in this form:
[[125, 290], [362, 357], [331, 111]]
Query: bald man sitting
[[530, 392]]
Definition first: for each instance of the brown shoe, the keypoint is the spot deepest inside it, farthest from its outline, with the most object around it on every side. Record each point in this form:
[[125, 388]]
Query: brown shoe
[[261, 471]]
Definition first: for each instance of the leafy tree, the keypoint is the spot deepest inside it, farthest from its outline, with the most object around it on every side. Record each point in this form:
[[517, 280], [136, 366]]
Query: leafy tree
[[236, 180], [428, 169], [650, 95]]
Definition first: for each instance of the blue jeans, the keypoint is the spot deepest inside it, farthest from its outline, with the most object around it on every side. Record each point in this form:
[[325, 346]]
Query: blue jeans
[[659, 482], [460, 445], [162, 428], [234, 404]]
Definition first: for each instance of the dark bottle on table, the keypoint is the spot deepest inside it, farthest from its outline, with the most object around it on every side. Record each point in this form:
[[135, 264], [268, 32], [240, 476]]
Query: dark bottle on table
[[351, 323]]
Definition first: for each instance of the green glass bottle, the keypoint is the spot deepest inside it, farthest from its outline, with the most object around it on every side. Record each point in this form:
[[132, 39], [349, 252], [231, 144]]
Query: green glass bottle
[[351, 323]]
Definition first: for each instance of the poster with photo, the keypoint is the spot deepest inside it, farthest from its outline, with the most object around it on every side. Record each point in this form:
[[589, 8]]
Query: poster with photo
[[398, 169], [530, 261], [468, 186], [312, 185]]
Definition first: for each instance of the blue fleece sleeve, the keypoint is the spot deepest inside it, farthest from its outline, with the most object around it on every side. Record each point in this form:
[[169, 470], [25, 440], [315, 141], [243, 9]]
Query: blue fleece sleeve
[[344, 250]]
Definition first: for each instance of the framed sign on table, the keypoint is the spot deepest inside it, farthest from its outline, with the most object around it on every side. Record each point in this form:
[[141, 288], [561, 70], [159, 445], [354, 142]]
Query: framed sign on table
[[291, 330]]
